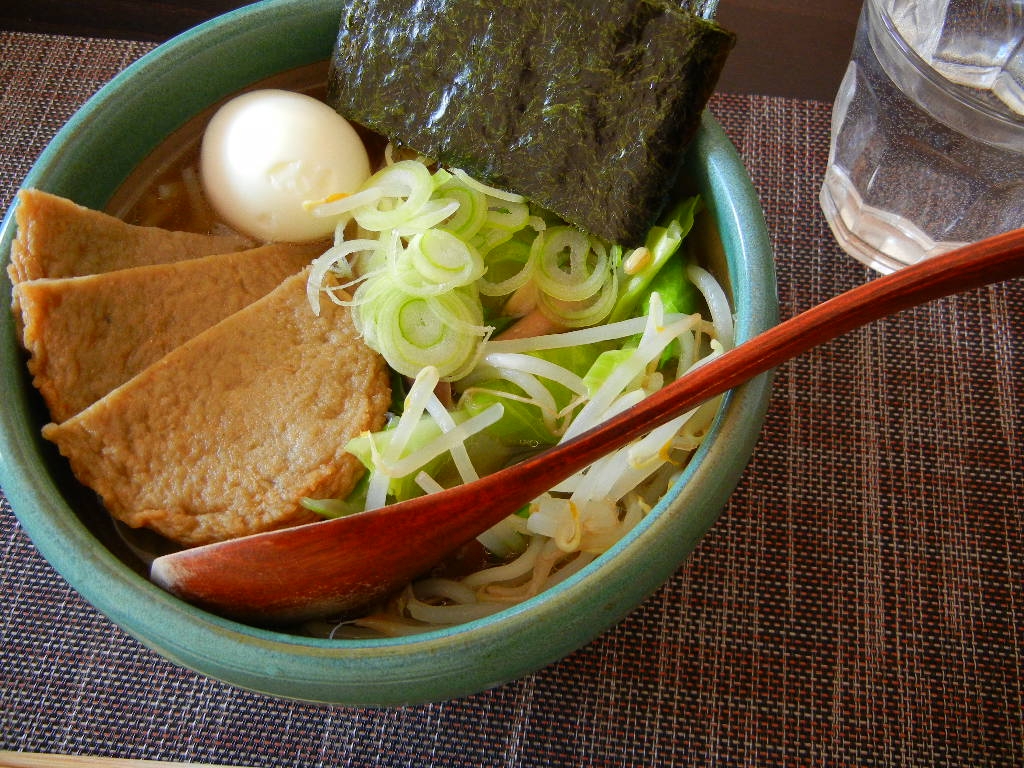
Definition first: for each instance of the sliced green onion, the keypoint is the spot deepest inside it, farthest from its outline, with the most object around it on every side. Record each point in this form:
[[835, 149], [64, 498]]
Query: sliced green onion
[[409, 186], [489, 238], [441, 257], [430, 215], [580, 314], [412, 331], [443, 178], [569, 265], [445, 240], [508, 269], [333, 261], [472, 183], [471, 214], [337, 205], [508, 215]]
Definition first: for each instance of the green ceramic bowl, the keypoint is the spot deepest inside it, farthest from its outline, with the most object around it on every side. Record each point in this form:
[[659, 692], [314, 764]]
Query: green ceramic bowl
[[122, 124]]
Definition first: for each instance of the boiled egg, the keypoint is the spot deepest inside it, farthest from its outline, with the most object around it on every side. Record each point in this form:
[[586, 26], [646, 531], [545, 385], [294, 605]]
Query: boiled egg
[[266, 152]]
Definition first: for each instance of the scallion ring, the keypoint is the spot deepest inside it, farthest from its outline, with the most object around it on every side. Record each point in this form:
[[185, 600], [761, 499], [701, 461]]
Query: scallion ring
[[569, 266], [472, 211], [410, 185], [581, 314], [441, 257], [508, 269]]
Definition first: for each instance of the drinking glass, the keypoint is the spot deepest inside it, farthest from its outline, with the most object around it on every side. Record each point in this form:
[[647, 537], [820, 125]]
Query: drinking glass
[[927, 149]]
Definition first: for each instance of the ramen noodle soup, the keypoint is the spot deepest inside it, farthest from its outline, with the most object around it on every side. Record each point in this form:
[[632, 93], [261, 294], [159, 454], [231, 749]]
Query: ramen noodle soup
[[505, 332]]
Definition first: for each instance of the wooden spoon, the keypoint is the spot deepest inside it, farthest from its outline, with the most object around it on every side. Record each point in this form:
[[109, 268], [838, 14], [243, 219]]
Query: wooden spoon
[[343, 565]]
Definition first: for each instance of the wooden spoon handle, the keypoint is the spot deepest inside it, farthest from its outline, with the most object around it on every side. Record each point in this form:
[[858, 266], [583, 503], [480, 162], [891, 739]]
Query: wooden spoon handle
[[989, 261]]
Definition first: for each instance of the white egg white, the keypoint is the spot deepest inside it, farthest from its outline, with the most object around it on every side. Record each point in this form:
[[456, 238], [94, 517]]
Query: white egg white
[[267, 152]]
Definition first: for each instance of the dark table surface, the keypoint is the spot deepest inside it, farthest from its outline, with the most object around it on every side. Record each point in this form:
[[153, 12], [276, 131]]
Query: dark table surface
[[860, 601]]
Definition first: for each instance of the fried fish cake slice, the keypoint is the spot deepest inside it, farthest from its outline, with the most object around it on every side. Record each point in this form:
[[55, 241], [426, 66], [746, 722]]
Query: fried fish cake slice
[[225, 435], [87, 335], [59, 238]]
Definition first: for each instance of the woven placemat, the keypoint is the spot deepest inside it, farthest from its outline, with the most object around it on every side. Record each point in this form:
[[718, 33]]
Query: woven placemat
[[860, 602]]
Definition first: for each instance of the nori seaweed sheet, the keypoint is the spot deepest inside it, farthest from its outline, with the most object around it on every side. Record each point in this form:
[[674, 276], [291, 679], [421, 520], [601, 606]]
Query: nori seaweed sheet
[[584, 107]]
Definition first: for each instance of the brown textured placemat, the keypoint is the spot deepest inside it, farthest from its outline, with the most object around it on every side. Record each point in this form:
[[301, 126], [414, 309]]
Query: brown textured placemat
[[860, 602]]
